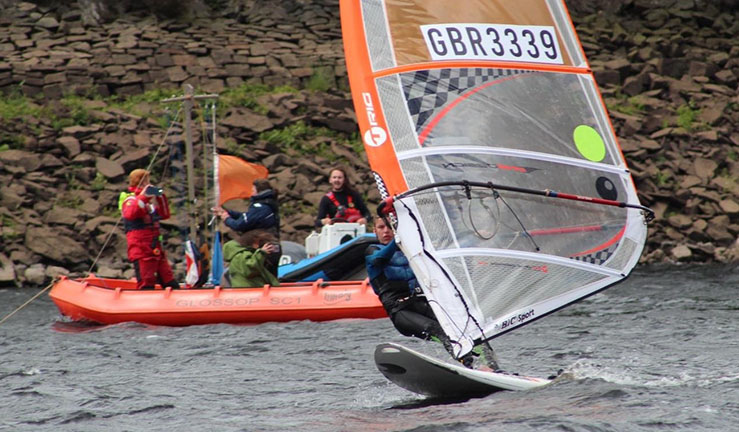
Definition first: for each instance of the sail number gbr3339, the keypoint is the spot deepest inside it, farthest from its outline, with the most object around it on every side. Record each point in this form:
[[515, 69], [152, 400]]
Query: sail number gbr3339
[[505, 42]]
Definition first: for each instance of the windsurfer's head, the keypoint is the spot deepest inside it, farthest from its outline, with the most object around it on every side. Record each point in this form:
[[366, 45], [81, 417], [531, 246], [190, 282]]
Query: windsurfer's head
[[138, 178], [382, 230], [339, 180]]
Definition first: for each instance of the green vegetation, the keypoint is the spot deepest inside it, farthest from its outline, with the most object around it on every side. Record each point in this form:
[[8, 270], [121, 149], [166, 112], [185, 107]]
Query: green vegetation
[[662, 178], [99, 182], [111, 212], [686, 116], [322, 79], [626, 105], [299, 138], [246, 95], [69, 200], [78, 114], [9, 232], [234, 147], [11, 141], [15, 105]]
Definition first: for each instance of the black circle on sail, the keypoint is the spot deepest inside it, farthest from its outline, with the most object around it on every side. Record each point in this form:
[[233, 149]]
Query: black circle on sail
[[606, 189]]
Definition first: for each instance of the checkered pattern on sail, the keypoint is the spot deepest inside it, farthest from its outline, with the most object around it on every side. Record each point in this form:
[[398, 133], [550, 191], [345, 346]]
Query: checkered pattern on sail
[[380, 185], [598, 257], [427, 90]]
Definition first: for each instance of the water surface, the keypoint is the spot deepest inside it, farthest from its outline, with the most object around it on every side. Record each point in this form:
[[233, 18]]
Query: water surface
[[657, 352]]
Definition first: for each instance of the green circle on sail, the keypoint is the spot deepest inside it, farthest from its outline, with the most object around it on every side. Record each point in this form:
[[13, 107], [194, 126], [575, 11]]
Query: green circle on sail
[[589, 143]]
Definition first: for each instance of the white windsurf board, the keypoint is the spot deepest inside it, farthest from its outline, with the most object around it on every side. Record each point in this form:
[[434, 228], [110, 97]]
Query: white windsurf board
[[428, 376]]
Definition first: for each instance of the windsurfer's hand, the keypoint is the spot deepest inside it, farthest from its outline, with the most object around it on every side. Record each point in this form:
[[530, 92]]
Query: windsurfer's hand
[[326, 221], [362, 221]]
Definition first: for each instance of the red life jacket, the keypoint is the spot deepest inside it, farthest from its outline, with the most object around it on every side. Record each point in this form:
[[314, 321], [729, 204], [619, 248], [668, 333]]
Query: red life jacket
[[350, 213]]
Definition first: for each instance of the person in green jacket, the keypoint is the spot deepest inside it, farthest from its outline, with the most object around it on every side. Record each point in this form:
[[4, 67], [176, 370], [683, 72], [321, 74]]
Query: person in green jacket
[[246, 259]]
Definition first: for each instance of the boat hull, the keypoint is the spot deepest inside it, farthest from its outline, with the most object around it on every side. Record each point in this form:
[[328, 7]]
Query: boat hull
[[111, 301]]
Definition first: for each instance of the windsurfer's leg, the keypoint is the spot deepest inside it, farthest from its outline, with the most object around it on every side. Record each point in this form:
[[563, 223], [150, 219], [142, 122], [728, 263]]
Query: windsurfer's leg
[[410, 323], [433, 330], [487, 355]]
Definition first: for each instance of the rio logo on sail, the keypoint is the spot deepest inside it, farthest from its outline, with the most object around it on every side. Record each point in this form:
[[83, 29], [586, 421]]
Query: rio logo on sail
[[537, 44], [375, 136]]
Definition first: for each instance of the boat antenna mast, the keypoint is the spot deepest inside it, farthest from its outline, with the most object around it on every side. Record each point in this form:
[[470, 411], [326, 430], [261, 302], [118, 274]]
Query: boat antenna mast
[[187, 103]]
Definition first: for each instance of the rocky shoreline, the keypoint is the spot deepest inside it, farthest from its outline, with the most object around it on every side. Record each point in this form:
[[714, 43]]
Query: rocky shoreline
[[668, 71]]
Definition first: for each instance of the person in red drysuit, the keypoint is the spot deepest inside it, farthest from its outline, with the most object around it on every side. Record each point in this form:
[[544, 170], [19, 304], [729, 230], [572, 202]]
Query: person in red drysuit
[[142, 209]]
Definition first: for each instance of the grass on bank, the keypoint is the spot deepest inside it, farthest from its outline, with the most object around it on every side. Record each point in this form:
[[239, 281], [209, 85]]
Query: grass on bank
[[75, 110]]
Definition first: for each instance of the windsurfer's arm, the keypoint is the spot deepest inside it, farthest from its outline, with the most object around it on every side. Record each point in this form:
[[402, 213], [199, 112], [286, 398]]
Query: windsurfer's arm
[[382, 256]]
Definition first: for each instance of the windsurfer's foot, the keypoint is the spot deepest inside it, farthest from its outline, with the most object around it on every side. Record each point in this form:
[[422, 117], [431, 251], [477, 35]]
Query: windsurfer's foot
[[467, 360], [487, 355], [444, 341]]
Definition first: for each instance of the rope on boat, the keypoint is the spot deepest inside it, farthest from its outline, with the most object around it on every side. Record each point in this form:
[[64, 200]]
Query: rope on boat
[[28, 302]]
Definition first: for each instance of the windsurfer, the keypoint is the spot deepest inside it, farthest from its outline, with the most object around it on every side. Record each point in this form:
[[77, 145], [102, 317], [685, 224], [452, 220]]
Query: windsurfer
[[263, 214], [142, 209], [342, 202], [393, 281]]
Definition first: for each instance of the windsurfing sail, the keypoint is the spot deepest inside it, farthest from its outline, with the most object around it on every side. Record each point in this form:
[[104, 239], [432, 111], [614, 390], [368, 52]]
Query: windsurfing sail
[[488, 137]]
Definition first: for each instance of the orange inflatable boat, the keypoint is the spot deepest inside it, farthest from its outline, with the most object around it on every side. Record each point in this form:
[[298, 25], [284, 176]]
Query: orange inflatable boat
[[110, 301]]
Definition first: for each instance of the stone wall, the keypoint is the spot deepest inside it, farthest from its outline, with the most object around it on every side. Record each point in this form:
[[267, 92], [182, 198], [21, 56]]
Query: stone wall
[[52, 51]]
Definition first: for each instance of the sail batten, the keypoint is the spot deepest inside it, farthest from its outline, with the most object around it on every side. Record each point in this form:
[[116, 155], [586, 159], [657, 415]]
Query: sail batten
[[478, 64], [497, 151], [531, 256], [497, 95]]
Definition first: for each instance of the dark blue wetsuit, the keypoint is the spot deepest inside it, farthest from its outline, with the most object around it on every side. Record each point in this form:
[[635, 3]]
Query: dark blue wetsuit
[[394, 282]]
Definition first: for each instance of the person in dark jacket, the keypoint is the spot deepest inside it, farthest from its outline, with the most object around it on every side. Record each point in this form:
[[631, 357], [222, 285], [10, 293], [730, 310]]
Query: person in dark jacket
[[263, 214], [342, 202], [396, 285]]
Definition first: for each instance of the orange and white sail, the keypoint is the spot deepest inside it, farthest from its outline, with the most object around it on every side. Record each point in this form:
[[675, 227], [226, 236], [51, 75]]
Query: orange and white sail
[[483, 120]]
